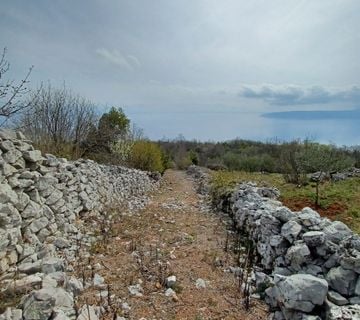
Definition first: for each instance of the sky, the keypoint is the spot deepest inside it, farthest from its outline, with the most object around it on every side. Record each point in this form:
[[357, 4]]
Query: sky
[[206, 69]]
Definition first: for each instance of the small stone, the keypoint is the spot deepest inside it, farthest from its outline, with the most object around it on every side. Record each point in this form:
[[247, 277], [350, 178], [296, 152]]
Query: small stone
[[354, 300], [98, 280], [62, 243], [125, 306], [50, 265], [75, 285], [290, 230], [136, 290], [102, 294], [308, 217], [200, 283], [314, 238], [170, 281], [169, 292], [337, 298], [7, 194], [297, 255]]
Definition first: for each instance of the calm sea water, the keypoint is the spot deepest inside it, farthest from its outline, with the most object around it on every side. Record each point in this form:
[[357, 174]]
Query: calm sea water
[[217, 126]]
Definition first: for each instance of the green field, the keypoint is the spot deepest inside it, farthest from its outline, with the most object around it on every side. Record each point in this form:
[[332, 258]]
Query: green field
[[338, 200]]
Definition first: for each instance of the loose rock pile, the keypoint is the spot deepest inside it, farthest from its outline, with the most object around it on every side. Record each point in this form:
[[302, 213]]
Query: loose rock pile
[[310, 266], [44, 202]]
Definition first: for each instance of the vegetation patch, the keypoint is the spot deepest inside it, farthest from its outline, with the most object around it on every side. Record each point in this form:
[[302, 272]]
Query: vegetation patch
[[339, 200]]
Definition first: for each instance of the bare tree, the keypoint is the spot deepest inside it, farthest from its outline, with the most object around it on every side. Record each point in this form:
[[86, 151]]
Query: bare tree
[[59, 119], [12, 93]]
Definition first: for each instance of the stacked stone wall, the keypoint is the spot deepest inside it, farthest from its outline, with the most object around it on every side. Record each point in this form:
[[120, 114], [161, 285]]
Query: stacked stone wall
[[309, 265], [44, 201]]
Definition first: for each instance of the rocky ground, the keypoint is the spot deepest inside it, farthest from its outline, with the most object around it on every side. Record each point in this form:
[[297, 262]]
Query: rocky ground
[[167, 261]]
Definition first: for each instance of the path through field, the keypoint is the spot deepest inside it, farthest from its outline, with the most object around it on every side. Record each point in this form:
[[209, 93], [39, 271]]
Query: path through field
[[173, 235]]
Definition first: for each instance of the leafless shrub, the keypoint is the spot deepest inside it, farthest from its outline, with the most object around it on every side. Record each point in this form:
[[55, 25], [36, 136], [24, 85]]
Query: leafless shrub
[[59, 121], [12, 93]]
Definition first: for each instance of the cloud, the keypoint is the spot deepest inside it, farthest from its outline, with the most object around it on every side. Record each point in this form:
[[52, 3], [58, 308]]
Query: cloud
[[129, 62], [299, 95]]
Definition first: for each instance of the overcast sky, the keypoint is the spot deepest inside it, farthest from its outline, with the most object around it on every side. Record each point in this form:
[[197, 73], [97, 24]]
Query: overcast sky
[[206, 68]]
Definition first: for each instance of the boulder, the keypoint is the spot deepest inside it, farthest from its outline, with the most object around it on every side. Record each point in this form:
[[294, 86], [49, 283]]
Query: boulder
[[301, 292], [342, 280], [38, 308], [32, 156]]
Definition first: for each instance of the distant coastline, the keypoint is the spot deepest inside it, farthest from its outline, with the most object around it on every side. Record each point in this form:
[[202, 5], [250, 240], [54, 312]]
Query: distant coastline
[[314, 115]]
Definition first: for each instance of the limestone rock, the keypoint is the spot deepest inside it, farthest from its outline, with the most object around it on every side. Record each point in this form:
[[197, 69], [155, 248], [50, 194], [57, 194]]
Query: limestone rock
[[87, 313], [170, 281], [337, 298], [301, 291], [38, 308], [200, 283], [32, 156], [290, 230], [344, 312], [136, 290], [297, 254], [342, 280], [7, 194], [50, 265], [314, 238], [336, 231]]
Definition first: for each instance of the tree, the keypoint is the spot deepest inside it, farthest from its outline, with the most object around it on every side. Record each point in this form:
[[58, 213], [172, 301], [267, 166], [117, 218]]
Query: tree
[[60, 121], [289, 165], [323, 159], [194, 158], [114, 124], [11, 93]]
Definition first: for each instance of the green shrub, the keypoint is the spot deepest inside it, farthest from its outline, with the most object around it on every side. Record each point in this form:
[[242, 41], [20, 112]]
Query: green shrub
[[147, 155]]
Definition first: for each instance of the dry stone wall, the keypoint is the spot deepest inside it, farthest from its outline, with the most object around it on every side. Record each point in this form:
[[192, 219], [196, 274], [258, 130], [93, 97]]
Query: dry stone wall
[[309, 265], [43, 203]]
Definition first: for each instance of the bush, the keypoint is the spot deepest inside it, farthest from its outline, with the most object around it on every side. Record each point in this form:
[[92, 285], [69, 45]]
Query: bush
[[147, 155]]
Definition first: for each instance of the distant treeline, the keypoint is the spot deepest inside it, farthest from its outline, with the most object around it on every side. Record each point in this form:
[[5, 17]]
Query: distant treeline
[[251, 156]]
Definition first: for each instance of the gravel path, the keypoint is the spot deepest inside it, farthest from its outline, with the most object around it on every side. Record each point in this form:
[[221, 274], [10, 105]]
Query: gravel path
[[173, 236]]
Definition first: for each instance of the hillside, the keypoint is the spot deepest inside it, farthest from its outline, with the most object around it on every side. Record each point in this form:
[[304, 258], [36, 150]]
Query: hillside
[[80, 240]]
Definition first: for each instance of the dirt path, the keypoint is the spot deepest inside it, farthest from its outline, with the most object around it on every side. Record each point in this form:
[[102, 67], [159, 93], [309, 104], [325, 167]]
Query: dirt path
[[172, 236]]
